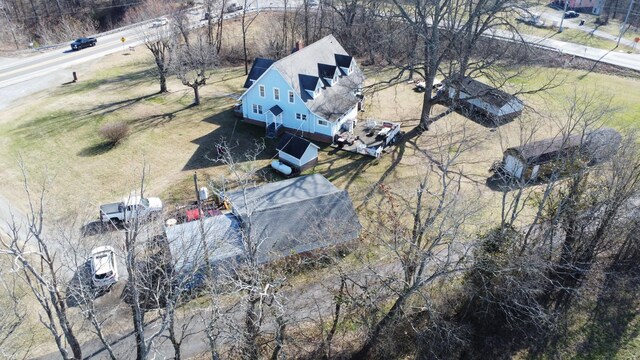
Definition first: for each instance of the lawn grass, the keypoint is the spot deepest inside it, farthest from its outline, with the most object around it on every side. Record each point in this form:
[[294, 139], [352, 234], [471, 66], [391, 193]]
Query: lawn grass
[[57, 135], [573, 36]]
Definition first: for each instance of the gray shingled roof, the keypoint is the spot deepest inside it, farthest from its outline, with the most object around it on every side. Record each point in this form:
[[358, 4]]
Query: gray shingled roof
[[488, 94], [333, 101], [598, 145], [296, 215], [258, 68], [293, 145]]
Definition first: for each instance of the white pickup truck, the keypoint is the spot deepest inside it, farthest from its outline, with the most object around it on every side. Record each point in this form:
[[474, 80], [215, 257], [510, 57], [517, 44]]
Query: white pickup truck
[[130, 208]]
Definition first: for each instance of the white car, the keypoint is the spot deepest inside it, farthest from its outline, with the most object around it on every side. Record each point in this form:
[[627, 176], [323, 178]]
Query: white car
[[160, 22], [104, 271]]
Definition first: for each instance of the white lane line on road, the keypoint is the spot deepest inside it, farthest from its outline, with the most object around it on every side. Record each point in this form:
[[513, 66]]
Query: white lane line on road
[[35, 74]]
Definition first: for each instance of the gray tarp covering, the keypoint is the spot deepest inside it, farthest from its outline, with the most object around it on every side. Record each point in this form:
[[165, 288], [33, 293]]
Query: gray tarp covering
[[222, 237]]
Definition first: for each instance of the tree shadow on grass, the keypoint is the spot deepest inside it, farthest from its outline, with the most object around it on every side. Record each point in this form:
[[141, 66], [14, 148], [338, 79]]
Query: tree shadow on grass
[[613, 322], [480, 118], [151, 121], [62, 122], [124, 81], [238, 135], [97, 149], [98, 227]]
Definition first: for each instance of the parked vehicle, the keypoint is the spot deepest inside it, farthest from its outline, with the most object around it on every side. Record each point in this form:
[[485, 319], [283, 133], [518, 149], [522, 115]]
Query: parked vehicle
[[571, 14], [83, 42], [130, 208], [234, 7], [160, 22], [104, 271]]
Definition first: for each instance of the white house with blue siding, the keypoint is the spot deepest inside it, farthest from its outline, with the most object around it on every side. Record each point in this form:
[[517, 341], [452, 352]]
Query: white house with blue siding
[[314, 92]]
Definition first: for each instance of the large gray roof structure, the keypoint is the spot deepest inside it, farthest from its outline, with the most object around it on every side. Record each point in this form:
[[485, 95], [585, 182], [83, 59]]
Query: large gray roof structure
[[295, 216]]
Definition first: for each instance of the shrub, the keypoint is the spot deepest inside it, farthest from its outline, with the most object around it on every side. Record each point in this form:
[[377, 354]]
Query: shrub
[[114, 132]]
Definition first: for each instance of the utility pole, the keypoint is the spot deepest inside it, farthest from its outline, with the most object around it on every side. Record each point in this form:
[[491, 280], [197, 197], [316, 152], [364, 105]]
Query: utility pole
[[624, 24], [566, 4]]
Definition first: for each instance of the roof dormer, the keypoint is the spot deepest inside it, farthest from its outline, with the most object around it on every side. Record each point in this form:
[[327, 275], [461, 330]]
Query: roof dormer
[[328, 73], [310, 84], [344, 63]]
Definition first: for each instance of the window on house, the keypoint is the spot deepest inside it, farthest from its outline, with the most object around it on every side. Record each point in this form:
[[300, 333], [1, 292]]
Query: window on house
[[257, 109], [291, 96], [323, 122], [302, 117], [261, 90], [276, 94]]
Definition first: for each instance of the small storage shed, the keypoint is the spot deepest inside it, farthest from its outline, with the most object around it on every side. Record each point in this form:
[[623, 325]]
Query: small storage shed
[[544, 157], [297, 152], [482, 98]]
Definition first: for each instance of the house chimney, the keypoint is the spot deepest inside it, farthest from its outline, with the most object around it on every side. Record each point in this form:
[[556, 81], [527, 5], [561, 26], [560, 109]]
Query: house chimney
[[299, 45]]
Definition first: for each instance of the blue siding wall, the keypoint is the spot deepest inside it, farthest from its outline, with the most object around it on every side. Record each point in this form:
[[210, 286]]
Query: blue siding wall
[[271, 79]]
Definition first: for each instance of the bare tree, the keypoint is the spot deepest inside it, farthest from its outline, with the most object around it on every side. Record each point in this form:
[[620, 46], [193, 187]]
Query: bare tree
[[245, 22], [429, 247], [193, 63], [10, 25], [158, 38], [35, 258], [11, 316], [450, 36], [260, 286], [213, 7]]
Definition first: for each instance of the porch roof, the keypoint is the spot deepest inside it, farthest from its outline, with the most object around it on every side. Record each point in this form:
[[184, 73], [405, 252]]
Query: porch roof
[[276, 110]]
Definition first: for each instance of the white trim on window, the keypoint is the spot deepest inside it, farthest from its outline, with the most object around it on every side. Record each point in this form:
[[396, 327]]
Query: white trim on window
[[323, 122], [276, 94], [261, 89], [257, 109], [291, 97], [302, 117]]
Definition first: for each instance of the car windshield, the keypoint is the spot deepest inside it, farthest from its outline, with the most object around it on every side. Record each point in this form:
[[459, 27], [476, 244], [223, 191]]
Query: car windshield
[[79, 40], [145, 202]]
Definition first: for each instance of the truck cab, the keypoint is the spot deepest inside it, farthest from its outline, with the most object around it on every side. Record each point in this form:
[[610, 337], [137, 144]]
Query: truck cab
[[130, 208]]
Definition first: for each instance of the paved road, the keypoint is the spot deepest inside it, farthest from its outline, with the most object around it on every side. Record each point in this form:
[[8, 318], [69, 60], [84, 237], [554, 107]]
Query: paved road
[[552, 16], [629, 61], [18, 71]]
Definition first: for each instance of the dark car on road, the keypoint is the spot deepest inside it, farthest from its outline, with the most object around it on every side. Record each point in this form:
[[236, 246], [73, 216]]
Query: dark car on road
[[571, 14], [83, 42]]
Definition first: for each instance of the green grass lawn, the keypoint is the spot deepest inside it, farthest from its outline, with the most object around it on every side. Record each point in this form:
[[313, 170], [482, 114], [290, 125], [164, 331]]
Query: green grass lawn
[[574, 36], [57, 135]]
